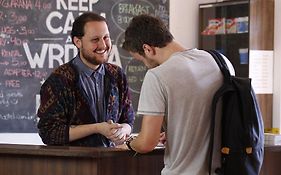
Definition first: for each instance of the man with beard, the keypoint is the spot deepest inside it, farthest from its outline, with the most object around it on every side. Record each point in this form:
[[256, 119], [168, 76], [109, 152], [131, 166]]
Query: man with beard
[[86, 102]]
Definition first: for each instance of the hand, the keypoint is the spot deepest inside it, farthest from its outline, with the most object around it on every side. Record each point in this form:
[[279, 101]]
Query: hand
[[120, 135], [162, 139], [122, 146], [108, 129]]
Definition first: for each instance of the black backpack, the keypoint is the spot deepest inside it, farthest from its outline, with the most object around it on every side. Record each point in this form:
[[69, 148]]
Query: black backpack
[[242, 132]]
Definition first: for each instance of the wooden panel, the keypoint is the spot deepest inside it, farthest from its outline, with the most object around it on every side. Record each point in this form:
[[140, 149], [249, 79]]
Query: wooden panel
[[35, 165], [261, 24], [138, 165], [271, 162], [262, 38], [266, 101], [61, 160]]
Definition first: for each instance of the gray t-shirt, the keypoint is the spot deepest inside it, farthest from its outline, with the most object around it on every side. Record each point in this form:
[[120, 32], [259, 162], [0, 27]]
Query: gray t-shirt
[[182, 89]]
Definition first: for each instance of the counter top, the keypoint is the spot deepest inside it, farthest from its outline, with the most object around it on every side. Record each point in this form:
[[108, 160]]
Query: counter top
[[67, 151], [59, 160]]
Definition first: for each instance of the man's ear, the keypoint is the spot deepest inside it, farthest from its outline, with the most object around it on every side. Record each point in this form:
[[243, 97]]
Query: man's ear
[[77, 42], [148, 50]]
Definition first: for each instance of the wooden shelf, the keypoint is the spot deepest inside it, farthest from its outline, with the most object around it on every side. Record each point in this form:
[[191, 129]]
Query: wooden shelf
[[259, 37]]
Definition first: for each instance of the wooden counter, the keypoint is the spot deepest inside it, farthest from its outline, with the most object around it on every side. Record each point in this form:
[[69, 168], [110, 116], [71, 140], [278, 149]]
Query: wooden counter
[[272, 161], [60, 160]]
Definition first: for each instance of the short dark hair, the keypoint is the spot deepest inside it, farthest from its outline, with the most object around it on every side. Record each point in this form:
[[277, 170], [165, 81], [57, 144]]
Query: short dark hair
[[80, 21], [146, 29]]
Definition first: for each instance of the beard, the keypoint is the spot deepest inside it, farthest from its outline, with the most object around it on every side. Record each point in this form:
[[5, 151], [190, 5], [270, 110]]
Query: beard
[[95, 60]]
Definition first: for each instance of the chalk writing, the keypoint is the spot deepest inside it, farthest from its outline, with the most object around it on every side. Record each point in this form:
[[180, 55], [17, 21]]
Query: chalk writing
[[1, 16], [26, 31], [162, 13], [10, 30], [17, 72], [18, 63], [55, 52], [76, 6], [10, 53], [123, 12], [135, 71], [3, 41], [42, 5], [7, 30], [25, 73], [16, 41], [25, 4], [10, 98], [17, 116], [5, 63], [12, 83], [16, 18], [133, 9]]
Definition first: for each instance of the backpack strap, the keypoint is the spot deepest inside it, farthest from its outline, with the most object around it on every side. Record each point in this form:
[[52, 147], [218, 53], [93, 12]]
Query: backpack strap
[[227, 78], [221, 63]]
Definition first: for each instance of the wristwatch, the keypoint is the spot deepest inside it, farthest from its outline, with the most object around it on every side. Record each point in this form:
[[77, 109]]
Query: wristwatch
[[128, 141]]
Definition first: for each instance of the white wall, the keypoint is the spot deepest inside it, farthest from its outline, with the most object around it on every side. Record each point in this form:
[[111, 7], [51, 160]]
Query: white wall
[[184, 17], [277, 70]]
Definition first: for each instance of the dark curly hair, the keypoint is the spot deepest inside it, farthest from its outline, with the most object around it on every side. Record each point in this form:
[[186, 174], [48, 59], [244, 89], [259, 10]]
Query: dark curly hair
[[80, 21], [146, 29]]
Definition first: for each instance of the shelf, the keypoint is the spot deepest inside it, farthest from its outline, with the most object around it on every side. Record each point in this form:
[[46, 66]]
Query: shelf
[[260, 36]]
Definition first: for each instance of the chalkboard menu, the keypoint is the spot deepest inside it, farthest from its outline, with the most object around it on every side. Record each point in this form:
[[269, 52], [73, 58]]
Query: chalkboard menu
[[35, 38]]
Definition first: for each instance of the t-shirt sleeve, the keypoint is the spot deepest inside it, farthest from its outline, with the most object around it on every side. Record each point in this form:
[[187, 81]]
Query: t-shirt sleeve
[[152, 100]]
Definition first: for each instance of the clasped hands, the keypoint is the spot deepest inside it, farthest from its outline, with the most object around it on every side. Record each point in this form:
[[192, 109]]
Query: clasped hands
[[116, 132]]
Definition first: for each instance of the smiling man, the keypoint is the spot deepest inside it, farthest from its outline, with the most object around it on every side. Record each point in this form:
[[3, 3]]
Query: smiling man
[[86, 102]]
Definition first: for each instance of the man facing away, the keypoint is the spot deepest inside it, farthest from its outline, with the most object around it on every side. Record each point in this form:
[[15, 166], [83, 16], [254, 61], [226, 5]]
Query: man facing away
[[86, 102], [176, 93]]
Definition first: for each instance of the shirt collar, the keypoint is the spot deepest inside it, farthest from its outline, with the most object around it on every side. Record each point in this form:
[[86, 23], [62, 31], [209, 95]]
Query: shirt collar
[[82, 68]]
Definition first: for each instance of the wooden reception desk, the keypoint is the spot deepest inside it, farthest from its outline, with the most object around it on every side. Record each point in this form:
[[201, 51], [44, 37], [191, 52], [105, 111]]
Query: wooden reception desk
[[272, 161], [60, 160]]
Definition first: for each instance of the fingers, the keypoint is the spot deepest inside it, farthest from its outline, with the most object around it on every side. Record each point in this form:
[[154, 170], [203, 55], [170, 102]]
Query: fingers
[[118, 136], [114, 127], [122, 146], [162, 138], [119, 140], [115, 132]]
